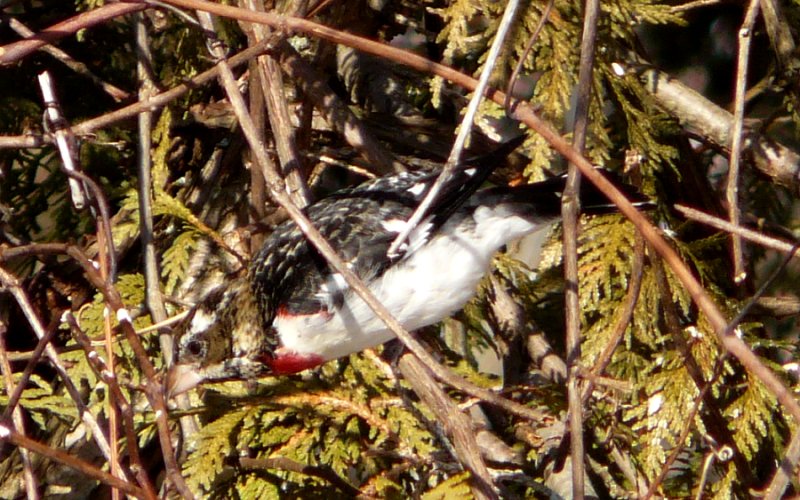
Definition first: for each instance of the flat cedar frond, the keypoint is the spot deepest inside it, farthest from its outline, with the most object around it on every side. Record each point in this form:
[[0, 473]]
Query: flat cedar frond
[[456, 486], [303, 423], [176, 259], [606, 256], [459, 37], [660, 416], [755, 418], [128, 228], [648, 130], [212, 445], [623, 15], [45, 406]]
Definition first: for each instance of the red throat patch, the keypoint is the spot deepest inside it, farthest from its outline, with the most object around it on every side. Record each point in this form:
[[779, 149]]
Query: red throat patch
[[287, 363]]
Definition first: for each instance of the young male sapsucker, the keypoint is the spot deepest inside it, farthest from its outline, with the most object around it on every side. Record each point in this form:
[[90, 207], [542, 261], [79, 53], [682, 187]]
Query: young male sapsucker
[[291, 312]]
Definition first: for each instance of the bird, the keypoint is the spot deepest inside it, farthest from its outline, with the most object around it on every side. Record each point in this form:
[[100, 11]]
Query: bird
[[290, 311]]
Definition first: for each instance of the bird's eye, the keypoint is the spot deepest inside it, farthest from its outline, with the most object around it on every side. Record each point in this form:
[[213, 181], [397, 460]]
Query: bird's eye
[[194, 348]]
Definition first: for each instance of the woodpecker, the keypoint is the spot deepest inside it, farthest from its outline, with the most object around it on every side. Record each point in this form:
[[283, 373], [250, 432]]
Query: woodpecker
[[291, 311]]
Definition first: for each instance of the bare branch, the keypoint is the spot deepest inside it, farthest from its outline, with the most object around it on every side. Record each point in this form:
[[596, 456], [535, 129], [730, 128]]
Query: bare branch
[[732, 190]]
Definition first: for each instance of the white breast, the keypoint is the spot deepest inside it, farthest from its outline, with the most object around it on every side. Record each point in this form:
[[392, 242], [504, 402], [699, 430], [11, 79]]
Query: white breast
[[425, 287]]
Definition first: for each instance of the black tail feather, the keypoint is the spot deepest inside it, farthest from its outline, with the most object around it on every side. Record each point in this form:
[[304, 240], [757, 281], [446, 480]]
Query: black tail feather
[[544, 198]]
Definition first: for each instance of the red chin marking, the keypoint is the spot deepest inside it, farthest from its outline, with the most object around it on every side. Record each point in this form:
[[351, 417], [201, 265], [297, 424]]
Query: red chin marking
[[283, 311], [287, 363]]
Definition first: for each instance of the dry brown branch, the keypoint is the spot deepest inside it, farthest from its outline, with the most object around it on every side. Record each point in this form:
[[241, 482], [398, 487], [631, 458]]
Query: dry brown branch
[[715, 124], [458, 426], [59, 55], [157, 101], [153, 388], [65, 458], [34, 358], [687, 428], [31, 484], [106, 372], [12, 285], [749, 234], [272, 88], [713, 419], [15, 51], [779, 31], [335, 112], [732, 190], [570, 208], [624, 318], [786, 469]]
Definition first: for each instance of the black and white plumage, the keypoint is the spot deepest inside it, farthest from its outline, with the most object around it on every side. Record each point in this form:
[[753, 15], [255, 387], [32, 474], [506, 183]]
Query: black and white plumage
[[291, 312]]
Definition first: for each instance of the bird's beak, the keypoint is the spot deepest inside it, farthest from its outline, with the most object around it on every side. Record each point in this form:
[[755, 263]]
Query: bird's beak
[[181, 378]]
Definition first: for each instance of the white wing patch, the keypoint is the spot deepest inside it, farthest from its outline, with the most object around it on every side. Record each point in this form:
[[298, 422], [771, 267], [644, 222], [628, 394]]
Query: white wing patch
[[331, 292], [394, 225], [419, 236], [417, 188]]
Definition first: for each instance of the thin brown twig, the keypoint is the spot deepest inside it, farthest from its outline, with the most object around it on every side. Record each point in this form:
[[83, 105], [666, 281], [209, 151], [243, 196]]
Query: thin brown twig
[[785, 470], [464, 131], [724, 225], [106, 372], [715, 125], [17, 439], [153, 389], [687, 428], [12, 285], [458, 426], [713, 419], [732, 186], [78, 67], [15, 51], [693, 5], [153, 296], [778, 27], [102, 220], [314, 86], [157, 101], [508, 105], [624, 318], [104, 248], [259, 200], [29, 477], [16, 394], [272, 88], [570, 209]]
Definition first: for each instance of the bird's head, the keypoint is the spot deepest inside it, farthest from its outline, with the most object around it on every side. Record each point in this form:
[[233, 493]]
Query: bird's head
[[220, 339]]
